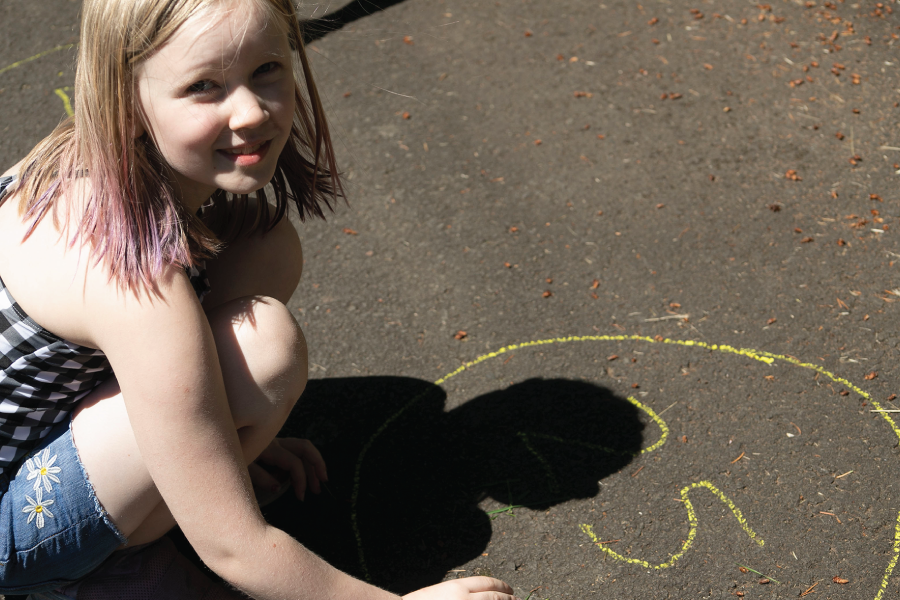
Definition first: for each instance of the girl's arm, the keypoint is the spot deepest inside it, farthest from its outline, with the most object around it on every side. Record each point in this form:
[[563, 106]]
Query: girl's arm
[[162, 351]]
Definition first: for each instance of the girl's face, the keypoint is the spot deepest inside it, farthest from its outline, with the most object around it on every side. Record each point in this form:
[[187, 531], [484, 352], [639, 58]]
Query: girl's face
[[218, 99]]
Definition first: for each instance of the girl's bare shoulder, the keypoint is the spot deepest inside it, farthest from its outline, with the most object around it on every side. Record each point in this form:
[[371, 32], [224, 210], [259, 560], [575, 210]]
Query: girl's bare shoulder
[[57, 283]]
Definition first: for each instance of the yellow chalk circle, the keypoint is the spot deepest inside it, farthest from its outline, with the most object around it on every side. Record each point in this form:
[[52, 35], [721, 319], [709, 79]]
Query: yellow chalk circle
[[758, 355]]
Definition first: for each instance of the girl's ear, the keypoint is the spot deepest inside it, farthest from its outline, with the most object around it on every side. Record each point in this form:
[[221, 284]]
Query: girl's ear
[[138, 129]]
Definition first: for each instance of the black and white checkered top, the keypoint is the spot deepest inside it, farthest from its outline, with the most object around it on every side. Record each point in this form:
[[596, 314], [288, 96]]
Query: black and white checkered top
[[42, 376]]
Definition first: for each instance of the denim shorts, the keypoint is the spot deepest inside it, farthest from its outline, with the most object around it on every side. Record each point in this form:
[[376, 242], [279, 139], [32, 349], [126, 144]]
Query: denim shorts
[[53, 529]]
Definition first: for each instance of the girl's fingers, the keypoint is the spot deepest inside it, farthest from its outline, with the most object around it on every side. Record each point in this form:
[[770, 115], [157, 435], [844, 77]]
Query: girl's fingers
[[300, 459], [486, 588], [313, 463], [260, 478], [289, 461], [467, 588], [279, 459], [309, 453]]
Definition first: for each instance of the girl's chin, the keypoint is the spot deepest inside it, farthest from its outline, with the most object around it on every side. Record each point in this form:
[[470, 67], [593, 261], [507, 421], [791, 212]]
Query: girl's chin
[[244, 188], [243, 182]]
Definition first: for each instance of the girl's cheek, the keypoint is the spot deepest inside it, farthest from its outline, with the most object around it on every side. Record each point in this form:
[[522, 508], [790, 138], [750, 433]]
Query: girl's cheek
[[201, 117], [198, 129]]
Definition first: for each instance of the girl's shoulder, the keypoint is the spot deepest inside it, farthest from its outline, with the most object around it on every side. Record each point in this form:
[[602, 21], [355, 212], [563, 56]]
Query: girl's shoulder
[[58, 284], [13, 170]]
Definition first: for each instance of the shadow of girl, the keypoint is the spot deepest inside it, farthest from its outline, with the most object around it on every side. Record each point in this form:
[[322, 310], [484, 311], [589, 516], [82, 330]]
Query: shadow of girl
[[315, 29], [424, 471]]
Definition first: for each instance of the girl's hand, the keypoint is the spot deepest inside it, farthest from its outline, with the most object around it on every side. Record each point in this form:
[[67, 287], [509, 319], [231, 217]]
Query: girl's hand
[[289, 460], [467, 588]]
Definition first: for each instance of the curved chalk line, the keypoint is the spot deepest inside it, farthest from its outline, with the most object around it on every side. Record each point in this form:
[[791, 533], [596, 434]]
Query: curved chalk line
[[692, 532], [759, 355], [689, 507]]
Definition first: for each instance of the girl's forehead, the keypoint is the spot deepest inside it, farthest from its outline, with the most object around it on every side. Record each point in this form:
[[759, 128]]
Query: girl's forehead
[[239, 17], [222, 29]]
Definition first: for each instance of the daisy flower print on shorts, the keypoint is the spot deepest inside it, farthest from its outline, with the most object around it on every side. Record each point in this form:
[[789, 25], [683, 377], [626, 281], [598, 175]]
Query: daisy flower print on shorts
[[42, 470], [37, 509]]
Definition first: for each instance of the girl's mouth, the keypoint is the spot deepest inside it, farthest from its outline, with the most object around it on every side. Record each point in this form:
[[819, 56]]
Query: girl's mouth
[[246, 155]]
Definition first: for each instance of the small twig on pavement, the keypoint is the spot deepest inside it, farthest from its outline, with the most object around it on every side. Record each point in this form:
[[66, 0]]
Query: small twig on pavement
[[809, 590], [666, 318], [666, 408]]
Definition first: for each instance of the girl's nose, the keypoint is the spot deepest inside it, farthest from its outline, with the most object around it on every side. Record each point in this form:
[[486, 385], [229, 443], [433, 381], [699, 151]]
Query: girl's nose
[[247, 111]]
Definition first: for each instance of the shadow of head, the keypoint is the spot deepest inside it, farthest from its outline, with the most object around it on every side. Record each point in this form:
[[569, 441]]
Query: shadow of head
[[545, 441], [425, 471]]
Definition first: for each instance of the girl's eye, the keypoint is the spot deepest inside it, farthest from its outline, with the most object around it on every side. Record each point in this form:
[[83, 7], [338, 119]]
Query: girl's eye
[[267, 68], [201, 87]]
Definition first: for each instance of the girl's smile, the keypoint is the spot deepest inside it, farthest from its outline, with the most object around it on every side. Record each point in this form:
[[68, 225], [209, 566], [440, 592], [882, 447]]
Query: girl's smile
[[247, 155], [218, 101]]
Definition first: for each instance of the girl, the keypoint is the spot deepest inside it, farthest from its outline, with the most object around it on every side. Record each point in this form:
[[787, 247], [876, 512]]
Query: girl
[[135, 393]]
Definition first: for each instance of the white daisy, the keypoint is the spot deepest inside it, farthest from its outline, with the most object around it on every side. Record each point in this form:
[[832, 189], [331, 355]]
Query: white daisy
[[38, 509], [41, 468]]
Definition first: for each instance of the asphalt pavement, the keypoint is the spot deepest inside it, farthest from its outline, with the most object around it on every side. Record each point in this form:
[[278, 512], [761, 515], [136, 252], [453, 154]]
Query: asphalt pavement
[[610, 311]]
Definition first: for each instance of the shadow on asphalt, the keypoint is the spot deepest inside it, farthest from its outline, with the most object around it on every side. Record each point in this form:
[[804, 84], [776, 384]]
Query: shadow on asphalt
[[315, 29], [534, 444]]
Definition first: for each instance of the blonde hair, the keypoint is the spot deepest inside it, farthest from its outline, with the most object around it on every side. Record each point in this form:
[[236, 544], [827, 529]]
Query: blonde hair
[[132, 218]]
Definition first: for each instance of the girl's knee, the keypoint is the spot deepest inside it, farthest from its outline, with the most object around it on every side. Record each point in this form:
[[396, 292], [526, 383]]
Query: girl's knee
[[261, 351], [269, 264]]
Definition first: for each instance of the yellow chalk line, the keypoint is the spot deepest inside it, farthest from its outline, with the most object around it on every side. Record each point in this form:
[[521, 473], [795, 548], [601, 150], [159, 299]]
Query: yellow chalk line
[[895, 555], [35, 57], [354, 495], [656, 419], [692, 532], [61, 92], [762, 356], [692, 515]]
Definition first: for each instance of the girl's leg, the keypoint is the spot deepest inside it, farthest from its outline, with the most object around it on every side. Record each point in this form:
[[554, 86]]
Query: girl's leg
[[259, 265], [263, 357]]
